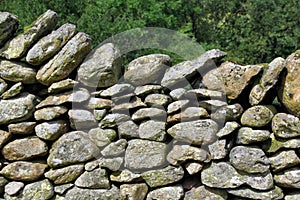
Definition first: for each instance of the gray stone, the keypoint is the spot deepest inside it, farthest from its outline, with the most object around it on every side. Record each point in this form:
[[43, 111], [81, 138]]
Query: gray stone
[[128, 130], [152, 113], [143, 154], [113, 164], [153, 130], [22, 128], [202, 93], [102, 137], [228, 128], [284, 159], [4, 137], [177, 106], [99, 103], [8, 25], [147, 89], [292, 196], [19, 45], [96, 179], [63, 85], [49, 45], [13, 91], [212, 105], [38, 190], [3, 182], [63, 63], [170, 192], [99, 114], [286, 125], [117, 90], [177, 93], [49, 113], [157, 100], [193, 167], [203, 192], [274, 145], [66, 174], [125, 176], [61, 189], [289, 178], [71, 148], [13, 187], [133, 191], [188, 114], [200, 132], [219, 149], [228, 113], [3, 86], [112, 120], [274, 194], [247, 135], [258, 116], [132, 103], [115, 148], [260, 181], [81, 119], [51, 130]]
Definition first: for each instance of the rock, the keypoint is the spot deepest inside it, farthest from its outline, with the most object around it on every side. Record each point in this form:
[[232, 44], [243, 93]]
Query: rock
[[212, 105], [65, 175], [228, 113], [200, 132], [152, 113], [18, 46], [274, 145], [8, 25], [247, 135], [289, 92], [61, 189], [182, 153], [179, 73], [177, 106], [3, 182], [249, 159], [133, 103], [125, 176], [193, 113], [113, 164], [49, 113], [202, 93], [261, 91], [23, 171], [81, 119], [157, 100], [219, 149], [177, 93], [231, 78], [49, 45], [128, 130], [13, 187], [153, 130], [286, 125], [203, 192], [99, 114], [99, 103], [292, 196], [22, 128], [112, 120], [193, 167], [101, 67], [170, 192], [275, 193], [17, 72], [290, 178], [102, 137], [228, 128], [284, 159], [3, 86], [258, 116], [115, 148], [96, 179], [18, 149], [63, 63], [143, 154], [51, 130], [147, 89], [4, 137], [133, 191], [65, 150], [164, 176], [260, 181], [63, 85], [13, 91], [117, 90], [38, 190]]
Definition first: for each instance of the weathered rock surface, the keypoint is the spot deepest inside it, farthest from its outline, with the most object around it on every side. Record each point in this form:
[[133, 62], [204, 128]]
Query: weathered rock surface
[[102, 137], [4, 137], [125, 176], [219, 149], [292, 196], [8, 25], [117, 90], [193, 167], [203, 192], [286, 125], [247, 135], [61, 189], [115, 148], [96, 179], [49, 113], [133, 191], [13, 91], [3, 86], [170, 192], [275, 193], [228, 113], [128, 129], [63, 85], [22, 128], [152, 113], [284, 159], [51, 130], [274, 145], [258, 116], [228, 128], [81, 119], [65, 175], [147, 89], [13, 188], [153, 130], [289, 178], [112, 120], [157, 100]]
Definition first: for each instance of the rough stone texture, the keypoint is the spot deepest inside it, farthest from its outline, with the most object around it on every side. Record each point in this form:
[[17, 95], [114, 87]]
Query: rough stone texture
[[128, 130], [193, 167], [49, 113], [3, 86], [115, 148], [171, 192], [102, 137], [81, 119], [99, 114], [61, 189], [125, 176], [177, 106], [13, 91], [51, 130], [274, 194], [152, 113], [258, 116], [219, 149], [212, 105], [117, 90], [133, 191], [206, 193], [247, 135], [63, 85], [22, 128], [157, 100], [228, 113], [274, 145], [8, 25], [65, 175], [96, 179], [147, 89], [113, 164], [153, 130], [203, 94], [4, 137], [13, 188], [286, 125], [289, 178], [38, 190], [177, 93], [284, 159], [112, 120], [101, 67], [292, 196], [228, 128]]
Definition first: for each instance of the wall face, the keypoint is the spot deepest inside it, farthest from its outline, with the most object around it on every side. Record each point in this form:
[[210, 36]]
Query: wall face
[[75, 126]]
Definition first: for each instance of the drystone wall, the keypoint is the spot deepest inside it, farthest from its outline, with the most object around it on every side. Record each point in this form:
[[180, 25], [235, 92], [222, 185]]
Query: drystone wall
[[75, 126]]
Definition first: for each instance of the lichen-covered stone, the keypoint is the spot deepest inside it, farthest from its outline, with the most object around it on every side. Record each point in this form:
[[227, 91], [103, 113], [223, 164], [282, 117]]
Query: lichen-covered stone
[[290, 178], [228, 113], [228, 128], [286, 125], [81, 119], [4, 137], [284, 159], [113, 164], [96, 179], [219, 149], [202, 93], [147, 89], [13, 91], [13, 187], [177, 106], [8, 25], [99, 114], [49, 113], [134, 191], [128, 129], [115, 148], [153, 130], [203, 192], [63, 63], [38, 190], [171, 192], [247, 135], [66, 174], [274, 194], [274, 145], [112, 120], [213, 104], [260, 181], [258, 116], [63, 85], [125, 176], [157, 100], [102, 137], [51, 130], [152, 113]]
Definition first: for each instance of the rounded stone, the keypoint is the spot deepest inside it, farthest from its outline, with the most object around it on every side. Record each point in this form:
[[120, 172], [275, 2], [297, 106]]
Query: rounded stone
[[258, 116]]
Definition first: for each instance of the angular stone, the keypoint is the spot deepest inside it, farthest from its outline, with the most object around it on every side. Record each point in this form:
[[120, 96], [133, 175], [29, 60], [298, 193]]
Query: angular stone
[[193, 167], [99, 103], [228, 128], [96, 179], [63, 63], [147, 89], [274, 145], [19, 45], [157, 100], [81, 119], [260, 181], [153, 130], [128, 130], [231, 78], [23, 171], [102, 137], [203, 192], [112, 120], [170, 192], [8, 25], [113, 164], [13, 187], [289, 178], [177, 93], [261, 91], [65, 175], [182, 153], [99, 114], [50, 113], [61, 189], [284, 159], [117, 90], [275, 193], [3, 86], [152, 113], [200, 132], [22, 128], [125, 176], [249, 159], [219, 149], [4, 137], [63, 85], [143, 154], [71, 148], [13, 91], [38, 190], [19, 149], [177, 106], [286, 125], [49, 45], [247, 135], [115, 148], [51, 130], [134, 191], [203, 94], [228, 113], [258, 116]]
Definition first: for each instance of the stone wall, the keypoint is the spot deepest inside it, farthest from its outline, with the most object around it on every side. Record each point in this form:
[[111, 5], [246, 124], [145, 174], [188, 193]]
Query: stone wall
[[75, 126]]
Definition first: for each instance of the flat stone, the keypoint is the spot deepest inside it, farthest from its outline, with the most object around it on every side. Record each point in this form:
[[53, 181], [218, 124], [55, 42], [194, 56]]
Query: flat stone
[[170, 192], [212, 105], [66, 60], [61, 189], [18, 149], [3, 86], [22, 128], [286, 125], [112, 120], [115, 148], [49, 45], [99, 103], [188, 114], [247, 135], [38, 190], [157, 100], [292, 196], [260, 181], [152, 113], [228, 128], [81, 119], [13, 187], [128, 129], [153, 130], [275, 193], [283, 160], [202, 93], [125, 176], [193, 167], [63, 85], [134, 191], [102, 137], [258, 116], [13, 91], [219, 149], [113, 164], [147, 89], [65, 175], [4, 137], [96, 179], [51, 130], [203, 192], [8, 25], [289, 178], [133, 103], [117, 90], [177, 93], [228, 113], [177, 106], [49, 113]]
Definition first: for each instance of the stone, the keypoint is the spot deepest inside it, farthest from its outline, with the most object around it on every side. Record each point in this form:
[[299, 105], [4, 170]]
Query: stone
[[274, 145], [51, 130], [115, 148], [260, 181], [292, 196], [283, 160], [157, 100], [193, 167], [228, 129], [231, 78], [228, 113], [152, 113], [143, 154], [38, 190], [22, 128], [3, 86], [4, 137], [113, 164], [99, 114], [81, 119], [13, 187], [289, 90], [164, 176], [189, 114], [99, 103], [182, 153], [49, 113], [261, 91], [147, 89], [178, 74], [128, 130], [133, 191], [96, 179], [275, 193], [17, 72], [13, 91], [289, 178], [170, 192], [49, 45], [212, 105], [65, 151], [3, 182], [249, 159], [112, 120], [258, 116], [8, 25], [200, 132], [61, 189], [203, 192], [65, 175], [202, 93], [117, 90], [286, 125], [23, 171], [66, 60], [152, 130], [125, 176], [133, 103], [19, 45], [247, 135], [61, 86], [18, 149], [177, 93], [102, 137], [219, 149], [177, 106]]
